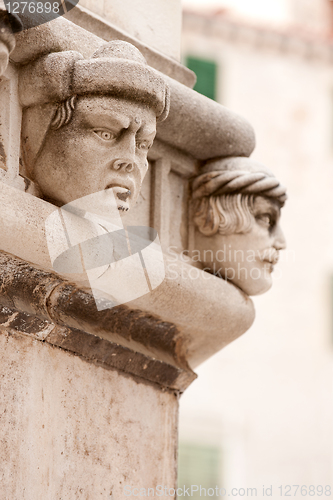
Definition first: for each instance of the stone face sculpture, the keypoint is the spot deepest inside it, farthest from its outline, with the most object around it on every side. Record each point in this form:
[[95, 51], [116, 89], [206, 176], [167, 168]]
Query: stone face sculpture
[[88, 124], [237, 205]]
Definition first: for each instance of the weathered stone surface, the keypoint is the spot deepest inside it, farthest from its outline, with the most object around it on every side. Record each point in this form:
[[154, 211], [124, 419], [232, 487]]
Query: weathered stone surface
[[56, 36], [71, 429], [160, 324]]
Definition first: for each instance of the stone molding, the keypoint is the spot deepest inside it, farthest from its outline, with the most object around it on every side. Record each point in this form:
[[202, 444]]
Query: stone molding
[[39, 304]]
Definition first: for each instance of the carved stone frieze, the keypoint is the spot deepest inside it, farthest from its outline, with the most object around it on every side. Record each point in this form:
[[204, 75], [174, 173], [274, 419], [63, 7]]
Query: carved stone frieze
[[236, 210]]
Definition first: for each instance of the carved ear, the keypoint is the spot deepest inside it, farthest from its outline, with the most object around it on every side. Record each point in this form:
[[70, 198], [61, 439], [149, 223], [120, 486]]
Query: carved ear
[[35, 124]]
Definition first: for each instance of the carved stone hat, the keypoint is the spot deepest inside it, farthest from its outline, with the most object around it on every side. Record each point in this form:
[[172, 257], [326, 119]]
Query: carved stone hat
[[117, 69], [237, 176]]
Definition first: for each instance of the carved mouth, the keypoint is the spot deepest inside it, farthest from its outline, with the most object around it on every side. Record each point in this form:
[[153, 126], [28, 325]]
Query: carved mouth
[[270, 258], [123, 195]]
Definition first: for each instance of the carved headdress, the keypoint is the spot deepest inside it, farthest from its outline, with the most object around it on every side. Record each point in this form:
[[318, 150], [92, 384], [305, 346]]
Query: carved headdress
[[116, 69], [237, 176], [223, 194]]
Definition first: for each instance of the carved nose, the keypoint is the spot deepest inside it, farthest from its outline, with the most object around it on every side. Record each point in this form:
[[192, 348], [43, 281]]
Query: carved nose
[[122, 164], [280, 241]]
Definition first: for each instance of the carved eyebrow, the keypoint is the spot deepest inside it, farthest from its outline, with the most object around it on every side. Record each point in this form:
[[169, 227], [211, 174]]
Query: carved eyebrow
[[146, 132]]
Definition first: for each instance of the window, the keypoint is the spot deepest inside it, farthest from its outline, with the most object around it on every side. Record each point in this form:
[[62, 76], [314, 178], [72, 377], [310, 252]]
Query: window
[[206, 72], [199, 465]]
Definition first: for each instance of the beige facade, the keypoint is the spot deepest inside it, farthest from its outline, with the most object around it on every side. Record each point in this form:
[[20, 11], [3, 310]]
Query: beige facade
[[158, 24], [270, 400]]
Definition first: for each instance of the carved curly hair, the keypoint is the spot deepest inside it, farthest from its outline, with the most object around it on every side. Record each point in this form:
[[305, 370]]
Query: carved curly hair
[[224, 214], [223, 196], [64, 113]]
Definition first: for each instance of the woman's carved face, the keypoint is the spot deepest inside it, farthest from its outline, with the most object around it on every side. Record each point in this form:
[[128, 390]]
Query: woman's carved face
[[246, 259]]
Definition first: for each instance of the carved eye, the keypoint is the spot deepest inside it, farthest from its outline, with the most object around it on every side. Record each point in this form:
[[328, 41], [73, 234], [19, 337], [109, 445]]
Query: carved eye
[[265, 219], [106, 135], [143, 145]]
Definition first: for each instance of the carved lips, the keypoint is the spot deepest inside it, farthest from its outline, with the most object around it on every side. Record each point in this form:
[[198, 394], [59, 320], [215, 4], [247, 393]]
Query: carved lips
[[270, 256]]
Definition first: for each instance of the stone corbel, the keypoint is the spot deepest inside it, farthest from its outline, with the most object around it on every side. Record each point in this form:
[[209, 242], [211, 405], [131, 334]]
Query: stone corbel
[[58, 61]]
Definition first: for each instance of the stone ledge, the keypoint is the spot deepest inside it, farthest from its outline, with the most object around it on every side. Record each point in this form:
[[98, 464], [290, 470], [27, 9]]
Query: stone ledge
[[46, 295], [94, 349]]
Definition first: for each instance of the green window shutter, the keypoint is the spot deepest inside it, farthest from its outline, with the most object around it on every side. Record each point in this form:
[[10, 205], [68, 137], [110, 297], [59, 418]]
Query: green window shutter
[[206, 72], [199, 465]]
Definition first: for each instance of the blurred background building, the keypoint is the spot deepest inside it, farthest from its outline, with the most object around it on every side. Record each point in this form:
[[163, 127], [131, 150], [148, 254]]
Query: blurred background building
[[260, 412]]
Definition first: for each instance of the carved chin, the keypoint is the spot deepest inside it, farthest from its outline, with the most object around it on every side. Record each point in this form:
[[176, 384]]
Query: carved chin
[[255, 286], [251, 280]]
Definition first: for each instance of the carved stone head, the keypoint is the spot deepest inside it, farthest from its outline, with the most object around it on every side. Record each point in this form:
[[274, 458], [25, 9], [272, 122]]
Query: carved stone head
[[88, 124], [237, 205]]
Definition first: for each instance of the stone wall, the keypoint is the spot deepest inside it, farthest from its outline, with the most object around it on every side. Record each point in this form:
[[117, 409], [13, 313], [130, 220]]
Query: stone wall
[[73, 429]]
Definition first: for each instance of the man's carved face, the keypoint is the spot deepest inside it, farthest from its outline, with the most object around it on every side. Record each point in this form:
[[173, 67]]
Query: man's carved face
[[104, 145], [246, 259]]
